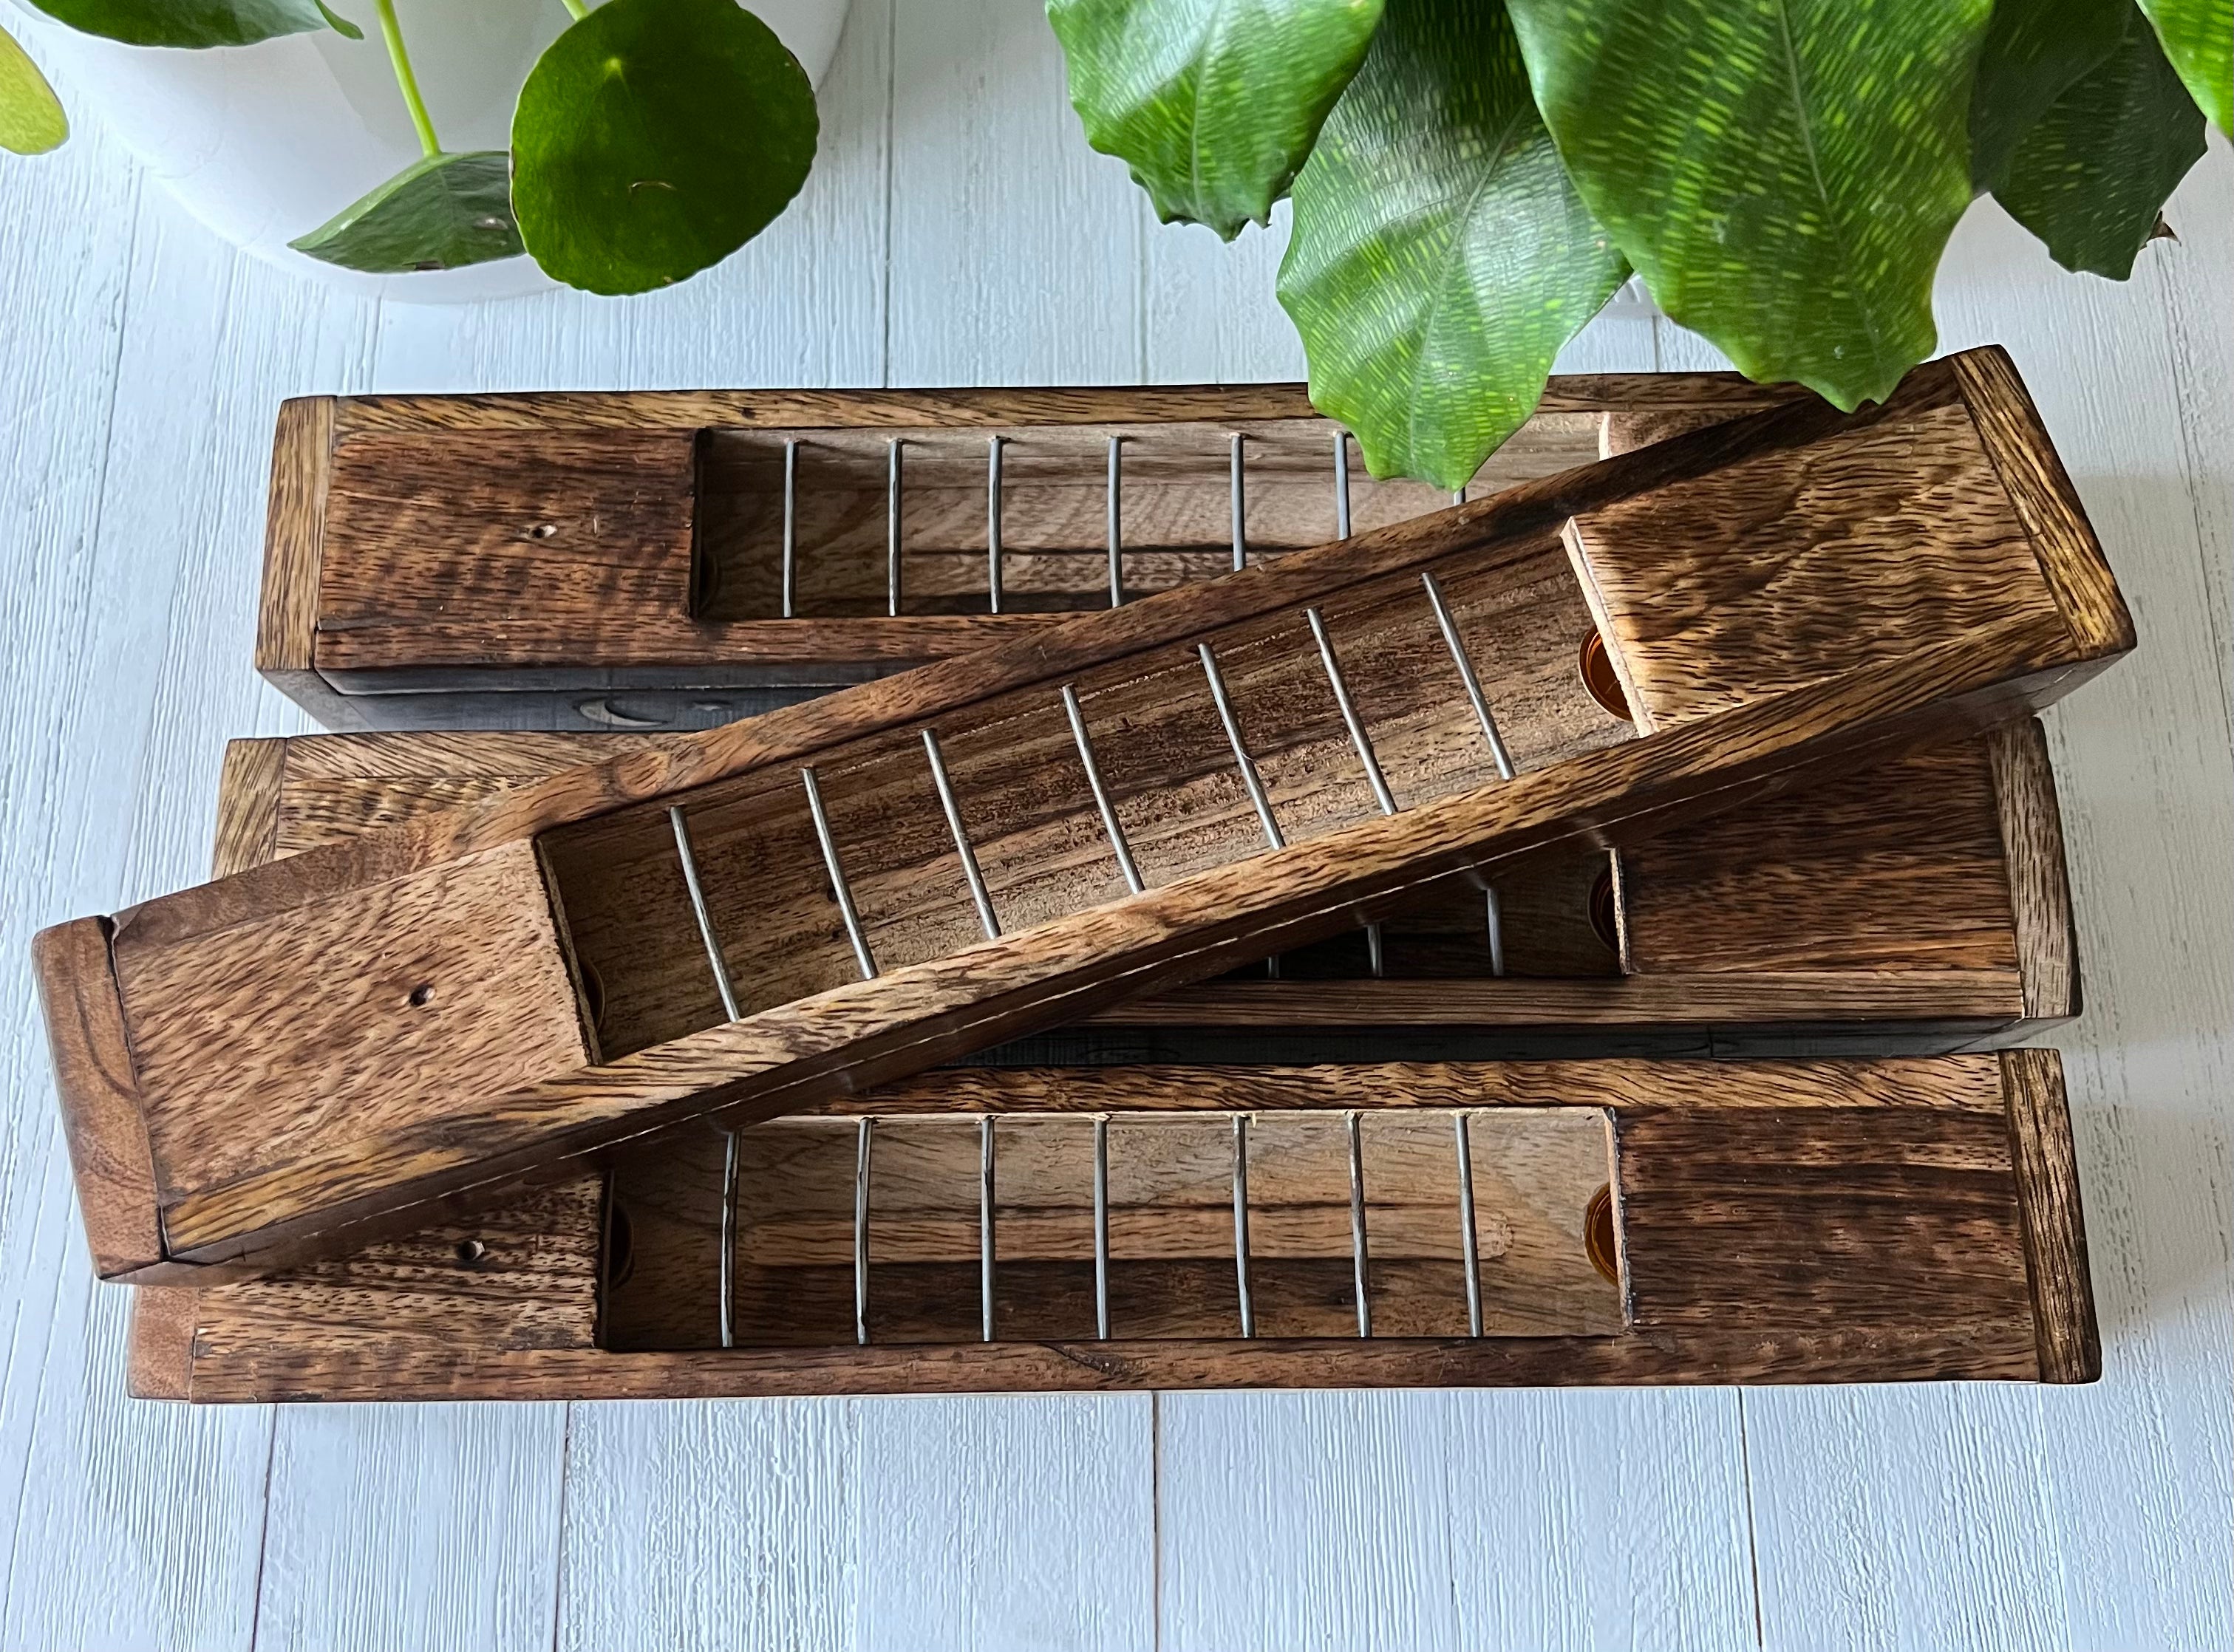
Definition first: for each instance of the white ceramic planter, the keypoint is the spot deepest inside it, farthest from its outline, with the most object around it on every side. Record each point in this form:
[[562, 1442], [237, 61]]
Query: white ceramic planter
[[262, 143]]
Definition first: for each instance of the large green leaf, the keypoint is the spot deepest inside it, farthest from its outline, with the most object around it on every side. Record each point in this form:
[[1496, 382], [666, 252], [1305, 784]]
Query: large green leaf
[[1214, 104], [655, 138], [2035, 51], [441, 213], [1439, 257], [2092, 175], [1784, 174], [31, 118], [190, 22], [2198, 38]]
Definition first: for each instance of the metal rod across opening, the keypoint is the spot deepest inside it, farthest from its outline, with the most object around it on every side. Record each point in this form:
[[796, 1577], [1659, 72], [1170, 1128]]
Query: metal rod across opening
[[993, 520], [1458, 657], [985, 1226], [790, 529], [1468, 1244], [892, 527], [838, 887], [1111, 826], [1102, 1226], [1241, 1223], [863, 1140], [962, 847], [1116, 522], [1357, 1256]]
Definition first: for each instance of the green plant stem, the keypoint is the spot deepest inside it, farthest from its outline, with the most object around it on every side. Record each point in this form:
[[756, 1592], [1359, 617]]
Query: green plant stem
[[392, 32], [579, 8]]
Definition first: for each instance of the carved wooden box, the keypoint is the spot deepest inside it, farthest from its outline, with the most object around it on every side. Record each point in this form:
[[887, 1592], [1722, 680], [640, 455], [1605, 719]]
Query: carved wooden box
[[775, 914]]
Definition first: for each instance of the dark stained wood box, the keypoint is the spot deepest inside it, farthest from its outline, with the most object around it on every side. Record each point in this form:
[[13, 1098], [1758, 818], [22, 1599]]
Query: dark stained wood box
[[1916, 908], [616, 560], [297, 1058], [1616, 1222], [1631, 1222]]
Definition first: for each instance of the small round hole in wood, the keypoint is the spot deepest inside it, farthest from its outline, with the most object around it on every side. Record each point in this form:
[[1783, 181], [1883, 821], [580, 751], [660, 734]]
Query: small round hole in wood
[[543, 531], [422, 995], [1602, 680], [1598, 1236], [470, 1252], [1605, 921]]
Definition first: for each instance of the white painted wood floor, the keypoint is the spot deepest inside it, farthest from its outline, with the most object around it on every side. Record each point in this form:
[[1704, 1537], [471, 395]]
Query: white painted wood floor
[[957, 230]]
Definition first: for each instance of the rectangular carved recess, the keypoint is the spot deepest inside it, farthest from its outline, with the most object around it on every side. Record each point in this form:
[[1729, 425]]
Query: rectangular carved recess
[[1016, 770], [1540, 1176], [620, 558], [1766, 1221], [1091, 757], [1176, 494]]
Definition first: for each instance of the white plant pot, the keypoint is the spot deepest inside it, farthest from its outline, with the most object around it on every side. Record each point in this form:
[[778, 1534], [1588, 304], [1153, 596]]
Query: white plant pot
[[264, 143]]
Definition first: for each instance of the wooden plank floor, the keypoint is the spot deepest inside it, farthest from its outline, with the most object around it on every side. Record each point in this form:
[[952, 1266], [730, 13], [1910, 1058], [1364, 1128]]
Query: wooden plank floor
[[957, 230]]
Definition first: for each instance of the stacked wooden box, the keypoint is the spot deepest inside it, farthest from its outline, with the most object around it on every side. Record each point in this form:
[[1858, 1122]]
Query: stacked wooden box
[[1571, 936]]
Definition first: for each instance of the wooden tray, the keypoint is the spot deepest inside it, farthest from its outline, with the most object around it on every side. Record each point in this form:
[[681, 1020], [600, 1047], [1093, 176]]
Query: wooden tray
[[264, 1066], [1915, 908], [1616, 1222], [617, 561]]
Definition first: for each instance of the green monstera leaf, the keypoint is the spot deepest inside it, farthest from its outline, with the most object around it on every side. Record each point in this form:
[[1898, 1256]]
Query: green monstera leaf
[[31, 118], [2035, 51], [655, 138], [2092, 174], [194, 22], [1213, 103], [441, 213], [2198, 39], [1440, 258], [1784, 174]]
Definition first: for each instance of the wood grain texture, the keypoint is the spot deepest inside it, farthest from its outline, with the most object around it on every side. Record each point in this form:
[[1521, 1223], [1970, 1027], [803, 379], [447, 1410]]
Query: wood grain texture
[[1949, 1516], [251, 790], [2038, 882], [294, 536], [110, 1154], [923, 1009], [2055, 1231], [2070, 556], [1780, 1221]]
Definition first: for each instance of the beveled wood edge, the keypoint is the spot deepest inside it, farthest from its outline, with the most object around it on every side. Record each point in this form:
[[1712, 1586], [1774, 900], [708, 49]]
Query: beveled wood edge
[[364, 660], [249, 789], [1578, 558], [294, 535], [2040, 880], [2063, 540], [159, 1349], [112, 1161], [928, 1013], [1989, 1350], [2045, 1166], [966, 407]]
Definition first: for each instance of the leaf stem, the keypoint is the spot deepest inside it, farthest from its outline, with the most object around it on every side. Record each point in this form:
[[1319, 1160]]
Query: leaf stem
[[579, 8], [392, 32]]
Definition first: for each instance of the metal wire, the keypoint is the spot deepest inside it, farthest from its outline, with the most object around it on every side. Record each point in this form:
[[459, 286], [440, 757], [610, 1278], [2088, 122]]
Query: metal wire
[[838, 887], [1468, 1240], [961, 845], [1110, 823]]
